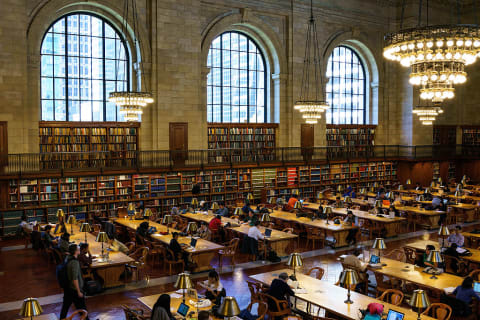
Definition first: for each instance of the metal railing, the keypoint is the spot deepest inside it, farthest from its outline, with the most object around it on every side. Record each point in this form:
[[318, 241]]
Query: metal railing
[[136, 160]]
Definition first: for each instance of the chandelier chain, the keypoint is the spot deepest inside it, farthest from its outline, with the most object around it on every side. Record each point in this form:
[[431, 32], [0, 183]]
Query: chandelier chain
[[420, 5]]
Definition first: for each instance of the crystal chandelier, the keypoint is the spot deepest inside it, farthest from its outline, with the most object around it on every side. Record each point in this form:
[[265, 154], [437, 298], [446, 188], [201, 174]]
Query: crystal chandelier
[[427, 114], [436, 54], [131, 103], [311, 104]]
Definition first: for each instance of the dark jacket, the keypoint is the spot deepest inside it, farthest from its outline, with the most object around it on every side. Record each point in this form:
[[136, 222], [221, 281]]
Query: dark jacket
[[279, 289]]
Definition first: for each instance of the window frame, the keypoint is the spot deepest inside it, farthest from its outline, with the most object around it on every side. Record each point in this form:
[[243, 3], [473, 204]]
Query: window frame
[[221, 68], [66, 77], [330, 120]]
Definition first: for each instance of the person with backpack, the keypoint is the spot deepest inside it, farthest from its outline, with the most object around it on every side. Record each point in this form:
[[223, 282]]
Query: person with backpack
[[69, 276]]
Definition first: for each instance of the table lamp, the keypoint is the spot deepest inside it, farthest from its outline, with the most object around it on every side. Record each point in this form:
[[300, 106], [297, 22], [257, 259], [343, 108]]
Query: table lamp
[[436, 258], [103, 238], [71, 221], [60, 215], [419, 301], [459, 187], [464, 180], [237, 212], [439, 180], [443, 232], [85, 227], [348, 278], [320, 195], [131, 210], [363, 191], [327, 211], [272, 200], [391, 196], [214, 206], [458, 193], [229, 308], [379, 245], [427, 190], [183, 282], [401, 187], [295, 192], [265, 218], [375, 185], [250, 196], [421, 198], [408, 182], [30, 308], [378, 204], [167, 220], [347, 200], [148, 213], [433, 184], [192, 227], [294, 261], [194, 203], [297, 205], [340, 188]]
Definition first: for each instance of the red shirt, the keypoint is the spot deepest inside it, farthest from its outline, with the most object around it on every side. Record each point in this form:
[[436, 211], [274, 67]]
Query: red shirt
[[215, 224], [291, 203]]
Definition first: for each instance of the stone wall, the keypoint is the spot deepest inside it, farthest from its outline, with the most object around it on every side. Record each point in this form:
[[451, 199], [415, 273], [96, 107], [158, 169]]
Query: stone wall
[[175, 37]]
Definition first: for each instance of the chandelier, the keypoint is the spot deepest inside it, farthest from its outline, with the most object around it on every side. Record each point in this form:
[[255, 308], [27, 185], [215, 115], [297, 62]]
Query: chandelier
[[436, 54], [427, 114], [311, 105], [131, 103]]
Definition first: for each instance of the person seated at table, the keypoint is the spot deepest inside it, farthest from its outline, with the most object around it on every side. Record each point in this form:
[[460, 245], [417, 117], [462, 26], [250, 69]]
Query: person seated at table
[[24, 228], [203, 231], [319, 213], [204, 315], [118, 246], [203, 206], [392, 211], [465, 293], [49, 239], [253, 236], [64, 243], [280, 203], [291, 203], [349, 221], [222, 211], [62, 228], [374, 311], [452, 252], [338, 202], [349, 192], [456, 237], [418, 187], [141, 232], [436, 203], [354, 261], [161, 308], [428, 196], [246, 208], [85, 258], [214, 287], [250, 219], [280, 290], [424, 262], [177, 249]]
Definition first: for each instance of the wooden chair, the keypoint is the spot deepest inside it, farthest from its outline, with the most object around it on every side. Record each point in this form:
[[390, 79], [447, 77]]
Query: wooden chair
[[392, 296], [282, 308], [134, 314], [255, 289], [138, 266], [170, 260], [229, 251], [439, 311], [262, 309], [314, 235], [396, 254], [82, 315], [97, 228], [382, 284], [410, 255], [131, 246], [449, 262], [319, 271], [287, 230]]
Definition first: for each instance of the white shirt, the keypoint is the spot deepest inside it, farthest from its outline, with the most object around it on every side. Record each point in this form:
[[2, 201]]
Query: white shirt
[[26, 225], [212, 286], [254, 233]]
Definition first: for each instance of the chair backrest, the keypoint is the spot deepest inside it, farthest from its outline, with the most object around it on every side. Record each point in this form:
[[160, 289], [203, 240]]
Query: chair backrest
[[140, 255], [410, 255], [79, 314], [392, 296], [133, 314], [288, 230], [439, 311], [232, 246], [475, 274], [319, 271], [130, 245], [276, 308], [262, 309]]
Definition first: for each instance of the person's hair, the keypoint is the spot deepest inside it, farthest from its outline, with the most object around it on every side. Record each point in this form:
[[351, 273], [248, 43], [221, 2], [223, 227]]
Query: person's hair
[[257, 223], [467, 283], [175, 234], [283, 276], [221, 204], [163, 302], [203, 315], [294, 196], [48, 227], [458, 227], [356, 252], [65, 236], [349, 212], [219, 217], [84, 246], [72, 248], [214, 275], [430, 247], [203, 223], [454, 246]]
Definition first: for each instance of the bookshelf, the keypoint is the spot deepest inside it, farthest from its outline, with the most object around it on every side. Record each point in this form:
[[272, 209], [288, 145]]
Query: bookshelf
[[244, 138], [116, 140], [444, 135], [471, 135], [351, 140]]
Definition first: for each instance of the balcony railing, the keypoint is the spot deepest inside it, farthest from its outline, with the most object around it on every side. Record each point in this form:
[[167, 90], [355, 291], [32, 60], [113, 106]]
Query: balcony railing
[[136, 160]]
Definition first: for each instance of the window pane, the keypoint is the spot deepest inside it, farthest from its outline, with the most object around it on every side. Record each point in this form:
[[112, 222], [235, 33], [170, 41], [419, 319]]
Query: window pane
[[97, 108], [60, 87], [47, 110], [47, 66], [60, 110], [73, 110], [86, 110], [47, 88]]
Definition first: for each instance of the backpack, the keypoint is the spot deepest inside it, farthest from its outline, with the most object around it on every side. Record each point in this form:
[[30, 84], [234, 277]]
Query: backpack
[[273, 257], [62, 274]]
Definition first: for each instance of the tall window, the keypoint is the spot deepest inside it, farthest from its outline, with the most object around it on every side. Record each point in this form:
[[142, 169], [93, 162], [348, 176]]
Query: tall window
[[346, 88], [83, 59], [237, 79]]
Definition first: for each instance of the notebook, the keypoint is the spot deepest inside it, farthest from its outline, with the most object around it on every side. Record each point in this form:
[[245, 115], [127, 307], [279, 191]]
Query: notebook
[[395, 315], [268, 232]]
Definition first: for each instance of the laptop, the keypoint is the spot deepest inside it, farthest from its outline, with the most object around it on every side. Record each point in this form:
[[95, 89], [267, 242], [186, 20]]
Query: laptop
[[476, 287], [395, 315], [193, 242], [152, 230], [183, 309], [268, 233], [374, 259]]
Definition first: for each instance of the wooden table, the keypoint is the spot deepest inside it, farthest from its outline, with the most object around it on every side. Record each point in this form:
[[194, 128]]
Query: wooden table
[[278, 241], [411, 273], [338, 231], [421, 245], [473, 239], [149, 302], [202, 254], [111, 270], [428, 218], [391, 225], [468, 210], [48, 316], [330, 297]]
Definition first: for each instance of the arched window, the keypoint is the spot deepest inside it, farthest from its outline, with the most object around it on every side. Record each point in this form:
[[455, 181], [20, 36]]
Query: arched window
[[83, 59], [346, 89], [236, 84]]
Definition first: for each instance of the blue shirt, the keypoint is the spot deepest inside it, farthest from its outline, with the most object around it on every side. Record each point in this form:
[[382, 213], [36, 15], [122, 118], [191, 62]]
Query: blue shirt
[[246, 209], [223, 212], [465, 295]]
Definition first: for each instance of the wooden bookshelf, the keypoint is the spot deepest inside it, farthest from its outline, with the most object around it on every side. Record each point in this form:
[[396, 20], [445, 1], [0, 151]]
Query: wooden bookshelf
[[244, 138], [471, 135], [351, 140], [116, 140], [444, 135]]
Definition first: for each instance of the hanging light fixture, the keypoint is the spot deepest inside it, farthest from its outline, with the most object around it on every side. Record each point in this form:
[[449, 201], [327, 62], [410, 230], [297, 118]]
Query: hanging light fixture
[[437, 54], [311, 103], [131, 103], [427, 114]]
